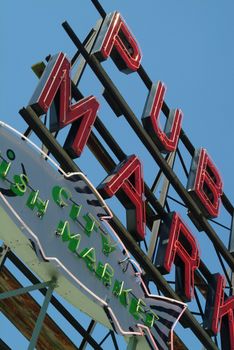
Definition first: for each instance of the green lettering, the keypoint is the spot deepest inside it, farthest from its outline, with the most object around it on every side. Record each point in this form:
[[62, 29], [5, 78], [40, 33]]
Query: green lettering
[[107, 246], [136, 308], [105, 273], [74, 243], [89, 256], [34, 201], [75, 211], [4, 168], [119, 291], [20, 184], [91, 224], [118, 288], [59, 194], [64, 231], [150, 318]]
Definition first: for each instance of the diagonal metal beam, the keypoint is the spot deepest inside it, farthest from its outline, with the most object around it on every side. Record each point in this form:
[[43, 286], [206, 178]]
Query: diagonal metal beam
[[3, 254], [42, 315], [162, 201], [114, 340], [90, 329], [57, 304], [3, 345], [149, 144], [231, 249], [22, 311], [42, 132], [81, 67], [23, 290], [183, 136]]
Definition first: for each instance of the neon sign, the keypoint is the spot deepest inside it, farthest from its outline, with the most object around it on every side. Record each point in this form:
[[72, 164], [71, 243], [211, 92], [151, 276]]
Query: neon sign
[[58, 223], [176, 244]]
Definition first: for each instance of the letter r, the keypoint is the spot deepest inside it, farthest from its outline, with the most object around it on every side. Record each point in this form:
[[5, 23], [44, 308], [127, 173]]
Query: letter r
[[177, 245]]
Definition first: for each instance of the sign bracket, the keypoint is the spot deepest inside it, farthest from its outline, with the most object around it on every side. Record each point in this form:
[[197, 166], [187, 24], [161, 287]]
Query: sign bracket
[[23, 290], [42, 314]]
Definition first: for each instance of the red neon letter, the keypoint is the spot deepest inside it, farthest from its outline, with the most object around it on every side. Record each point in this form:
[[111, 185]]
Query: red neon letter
[[205, 183], [127, 176], [166, 139], [56, 81], [116, 40], [220, 311], [177, 245]]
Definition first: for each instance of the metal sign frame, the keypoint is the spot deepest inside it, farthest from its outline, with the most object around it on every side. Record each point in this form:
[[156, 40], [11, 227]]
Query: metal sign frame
[[155, 209]]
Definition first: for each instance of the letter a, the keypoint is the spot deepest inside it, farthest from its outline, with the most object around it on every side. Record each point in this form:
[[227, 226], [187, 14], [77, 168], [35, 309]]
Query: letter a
[[127, 176]]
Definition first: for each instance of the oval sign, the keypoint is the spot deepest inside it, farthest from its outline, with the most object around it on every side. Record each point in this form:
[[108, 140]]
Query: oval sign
[[58, 224]]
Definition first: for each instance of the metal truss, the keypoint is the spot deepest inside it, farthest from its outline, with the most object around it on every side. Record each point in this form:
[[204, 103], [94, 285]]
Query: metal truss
[[51, 335], [156, 208]]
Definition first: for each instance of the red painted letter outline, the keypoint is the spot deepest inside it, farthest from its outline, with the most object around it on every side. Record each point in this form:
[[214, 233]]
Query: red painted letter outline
[[166, 139], [127, 176], [177, 245], [205, 184], [219, 313], [56, 83], [116, 40]]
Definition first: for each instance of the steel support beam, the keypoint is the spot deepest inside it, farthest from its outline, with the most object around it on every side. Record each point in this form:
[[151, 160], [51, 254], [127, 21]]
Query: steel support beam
[[3, 254], [89, 44], [108, 164], [50, 142], [35, 123], [162, 201], [42, 314], [4, 346], [231, 249], [152, 271], [54, 301], [23, 290], [226, 203], [184, 138], [90, 329], [150, 146], [23, 310]]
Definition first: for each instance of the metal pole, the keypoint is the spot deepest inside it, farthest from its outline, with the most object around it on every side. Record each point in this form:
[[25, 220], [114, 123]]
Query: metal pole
[[3, 254], [42, 315], [231, 250], [16, 292], [68, 165], [162, 200], [90, 330], [149, 144]]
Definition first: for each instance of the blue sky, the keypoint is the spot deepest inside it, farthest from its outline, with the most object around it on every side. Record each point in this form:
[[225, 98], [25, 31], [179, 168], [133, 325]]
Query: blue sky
[[186, 44]]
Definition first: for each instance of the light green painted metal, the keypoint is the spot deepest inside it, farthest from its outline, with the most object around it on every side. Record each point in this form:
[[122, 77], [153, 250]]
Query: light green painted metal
[[42, 315], [23, 290], [3, 254], [132, 344]]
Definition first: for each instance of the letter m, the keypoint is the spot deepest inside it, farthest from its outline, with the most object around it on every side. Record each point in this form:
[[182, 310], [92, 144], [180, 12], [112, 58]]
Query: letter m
[[55, 85]]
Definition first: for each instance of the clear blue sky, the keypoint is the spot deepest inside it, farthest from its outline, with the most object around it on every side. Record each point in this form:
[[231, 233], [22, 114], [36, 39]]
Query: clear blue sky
[[186, 44]]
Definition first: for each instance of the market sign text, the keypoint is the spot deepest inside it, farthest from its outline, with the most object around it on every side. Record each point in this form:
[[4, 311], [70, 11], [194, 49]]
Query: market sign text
[[205, 185]]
